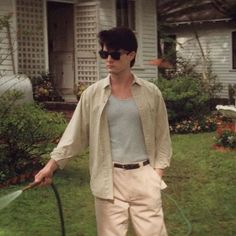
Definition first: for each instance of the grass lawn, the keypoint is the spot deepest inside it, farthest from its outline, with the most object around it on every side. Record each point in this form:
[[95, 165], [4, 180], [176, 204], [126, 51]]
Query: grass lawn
[[201, 180]]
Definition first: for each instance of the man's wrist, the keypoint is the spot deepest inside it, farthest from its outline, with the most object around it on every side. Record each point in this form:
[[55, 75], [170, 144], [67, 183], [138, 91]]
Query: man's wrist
[[52, 165], [159, 171]]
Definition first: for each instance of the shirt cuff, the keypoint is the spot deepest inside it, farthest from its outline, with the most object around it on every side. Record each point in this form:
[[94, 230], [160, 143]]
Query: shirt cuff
[[161, 165]]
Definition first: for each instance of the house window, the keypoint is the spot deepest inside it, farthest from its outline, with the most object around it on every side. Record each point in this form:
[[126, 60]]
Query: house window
[[234, 49], [125, 13], [167, 49]]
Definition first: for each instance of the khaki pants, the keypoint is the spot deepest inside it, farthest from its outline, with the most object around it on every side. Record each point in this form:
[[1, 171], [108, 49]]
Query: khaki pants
[[137, 194]]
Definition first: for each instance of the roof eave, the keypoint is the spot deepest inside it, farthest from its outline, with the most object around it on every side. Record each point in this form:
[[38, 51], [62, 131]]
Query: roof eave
[[199, 21]]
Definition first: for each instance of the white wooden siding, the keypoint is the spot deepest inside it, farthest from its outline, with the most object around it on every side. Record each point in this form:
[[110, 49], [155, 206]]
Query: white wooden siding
[[148, 39], [217, 41], [6, 63]]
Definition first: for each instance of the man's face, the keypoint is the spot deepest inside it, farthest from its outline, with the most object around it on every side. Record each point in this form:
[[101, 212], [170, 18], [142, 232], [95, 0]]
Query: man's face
[[117, 61]]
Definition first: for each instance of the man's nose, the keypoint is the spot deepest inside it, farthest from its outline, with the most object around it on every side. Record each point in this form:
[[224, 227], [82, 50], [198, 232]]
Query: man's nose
[[109, 58]]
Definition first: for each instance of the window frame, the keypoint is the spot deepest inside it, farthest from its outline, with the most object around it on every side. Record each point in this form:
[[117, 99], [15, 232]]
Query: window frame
[[170, 49], [124, 16], [167, 48], [138, 32], [233, 38]]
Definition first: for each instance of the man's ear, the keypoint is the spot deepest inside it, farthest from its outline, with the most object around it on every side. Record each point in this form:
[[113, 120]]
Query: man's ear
[[132, 55]]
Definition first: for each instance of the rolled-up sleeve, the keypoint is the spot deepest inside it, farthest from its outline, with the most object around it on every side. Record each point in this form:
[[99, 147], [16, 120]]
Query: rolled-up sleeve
[[75, 138]]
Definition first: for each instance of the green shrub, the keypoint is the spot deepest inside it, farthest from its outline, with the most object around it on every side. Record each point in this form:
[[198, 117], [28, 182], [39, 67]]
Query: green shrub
[[188, 93], [184, 97], [26, 133]]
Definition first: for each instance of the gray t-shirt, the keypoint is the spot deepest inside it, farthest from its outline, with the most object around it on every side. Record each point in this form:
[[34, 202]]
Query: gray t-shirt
[[126, 134]]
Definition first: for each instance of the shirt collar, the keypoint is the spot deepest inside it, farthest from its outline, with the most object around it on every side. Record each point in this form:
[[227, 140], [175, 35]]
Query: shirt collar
[[136, 80]]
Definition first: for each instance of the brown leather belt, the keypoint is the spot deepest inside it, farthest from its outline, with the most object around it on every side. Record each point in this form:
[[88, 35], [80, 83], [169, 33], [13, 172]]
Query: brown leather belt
[[131, 166]]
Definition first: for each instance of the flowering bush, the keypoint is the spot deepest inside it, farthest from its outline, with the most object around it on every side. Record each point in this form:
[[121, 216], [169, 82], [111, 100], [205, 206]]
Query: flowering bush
[[44, 88], [226, 135], [226, 139], [193, 125], [79, 89]]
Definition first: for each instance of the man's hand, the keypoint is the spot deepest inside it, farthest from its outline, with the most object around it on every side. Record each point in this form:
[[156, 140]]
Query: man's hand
[[159, 171], [45, 175]]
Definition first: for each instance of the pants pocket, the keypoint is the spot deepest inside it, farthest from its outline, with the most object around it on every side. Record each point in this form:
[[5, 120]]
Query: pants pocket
[[157, 178]]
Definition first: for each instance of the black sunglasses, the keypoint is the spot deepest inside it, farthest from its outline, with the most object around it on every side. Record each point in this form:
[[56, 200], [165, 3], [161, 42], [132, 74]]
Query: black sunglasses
[[115, 54]]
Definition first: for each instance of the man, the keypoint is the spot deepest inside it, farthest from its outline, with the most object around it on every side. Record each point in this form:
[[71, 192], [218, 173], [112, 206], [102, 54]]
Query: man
[[123, 120]]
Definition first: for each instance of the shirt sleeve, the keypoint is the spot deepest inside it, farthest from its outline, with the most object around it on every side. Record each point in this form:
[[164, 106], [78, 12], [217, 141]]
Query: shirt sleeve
[[75, 138], [163, 140]]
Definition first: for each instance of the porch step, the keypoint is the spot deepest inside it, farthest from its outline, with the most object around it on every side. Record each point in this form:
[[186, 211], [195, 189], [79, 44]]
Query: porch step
[[51, 105], [70, 98], [65, 107]]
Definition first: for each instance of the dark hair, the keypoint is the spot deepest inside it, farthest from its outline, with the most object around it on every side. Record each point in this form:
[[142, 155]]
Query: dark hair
[[119, 38]]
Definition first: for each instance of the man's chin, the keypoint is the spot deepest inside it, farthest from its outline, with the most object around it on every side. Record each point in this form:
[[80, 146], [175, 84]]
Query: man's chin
[[112, 72]]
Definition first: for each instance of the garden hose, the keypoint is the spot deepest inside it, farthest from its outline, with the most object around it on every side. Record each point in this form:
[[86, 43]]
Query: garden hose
[[63, 232], [59, 204], [181, 213]]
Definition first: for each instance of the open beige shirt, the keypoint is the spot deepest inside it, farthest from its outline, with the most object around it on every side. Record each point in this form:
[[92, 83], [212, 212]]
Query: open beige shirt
[[89, 127]]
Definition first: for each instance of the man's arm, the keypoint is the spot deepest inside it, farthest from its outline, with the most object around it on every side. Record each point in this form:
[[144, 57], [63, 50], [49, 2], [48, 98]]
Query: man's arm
[[163, 141], [73, 142]]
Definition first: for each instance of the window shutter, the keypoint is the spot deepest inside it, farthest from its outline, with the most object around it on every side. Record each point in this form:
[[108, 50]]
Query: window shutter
[[86, 46], [30, 37], [234, 49]]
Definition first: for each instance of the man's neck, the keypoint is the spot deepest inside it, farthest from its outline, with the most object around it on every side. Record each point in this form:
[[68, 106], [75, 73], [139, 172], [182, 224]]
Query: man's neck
[[122, 80], [121, 85]]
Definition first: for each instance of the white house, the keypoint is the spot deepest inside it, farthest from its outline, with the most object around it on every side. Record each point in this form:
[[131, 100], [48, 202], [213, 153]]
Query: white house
[[216, 31], [60, 37]]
